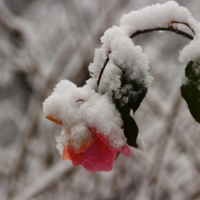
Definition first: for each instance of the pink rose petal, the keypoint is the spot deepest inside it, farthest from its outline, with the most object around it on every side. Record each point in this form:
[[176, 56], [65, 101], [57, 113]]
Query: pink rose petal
[[98, 152], [75, 158], [125, 150], [98, 155], [95, 166]]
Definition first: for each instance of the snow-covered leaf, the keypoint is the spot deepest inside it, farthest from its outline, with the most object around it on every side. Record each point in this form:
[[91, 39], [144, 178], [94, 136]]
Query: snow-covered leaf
[[190, 90], [134, 90]]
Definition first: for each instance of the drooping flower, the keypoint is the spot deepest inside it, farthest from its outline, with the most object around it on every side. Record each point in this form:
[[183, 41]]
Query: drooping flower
[[92, 133], [97, 155]]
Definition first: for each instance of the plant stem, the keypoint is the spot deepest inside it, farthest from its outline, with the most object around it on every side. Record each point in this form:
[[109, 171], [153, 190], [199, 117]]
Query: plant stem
[[184, 23], [102, 70], [171, 29]]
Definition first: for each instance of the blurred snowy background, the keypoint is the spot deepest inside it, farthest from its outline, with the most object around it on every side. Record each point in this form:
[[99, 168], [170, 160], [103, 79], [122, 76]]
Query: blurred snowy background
[[44, 41]]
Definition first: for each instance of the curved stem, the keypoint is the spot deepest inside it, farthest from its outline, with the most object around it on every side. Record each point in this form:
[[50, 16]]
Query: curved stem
[[102, 70], [184, 23], [139, 32], [170, 29]]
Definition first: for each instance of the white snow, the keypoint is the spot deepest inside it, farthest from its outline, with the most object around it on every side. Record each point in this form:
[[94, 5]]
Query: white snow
[[81, 108], [158, 15], [123, 55], [190, 52], [99, 59]]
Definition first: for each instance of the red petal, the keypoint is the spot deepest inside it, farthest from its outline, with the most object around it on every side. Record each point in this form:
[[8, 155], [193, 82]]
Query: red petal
[[70, 155], [98, 152], [96, 166], [85, 147], [125, 150], [98, 155], [65, 155]]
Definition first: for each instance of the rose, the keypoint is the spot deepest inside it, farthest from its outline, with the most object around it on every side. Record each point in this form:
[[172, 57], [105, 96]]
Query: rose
[[92, 134], [97, 155]]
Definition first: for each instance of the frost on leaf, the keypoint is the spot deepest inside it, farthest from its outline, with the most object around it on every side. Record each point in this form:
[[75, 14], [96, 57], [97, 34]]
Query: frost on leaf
[[126, 77]]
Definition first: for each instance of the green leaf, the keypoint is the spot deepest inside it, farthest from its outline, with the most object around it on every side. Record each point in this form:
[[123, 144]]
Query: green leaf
[[190, 90], [130, 127], [131, 131], [134, 103], [134, 90]]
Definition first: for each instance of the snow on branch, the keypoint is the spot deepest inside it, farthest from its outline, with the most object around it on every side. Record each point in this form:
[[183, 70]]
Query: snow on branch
[[158, 16]]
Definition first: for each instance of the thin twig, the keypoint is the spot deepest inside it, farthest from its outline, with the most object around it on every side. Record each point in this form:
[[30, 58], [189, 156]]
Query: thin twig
[[170, 29], [184, 23], [102, 70]]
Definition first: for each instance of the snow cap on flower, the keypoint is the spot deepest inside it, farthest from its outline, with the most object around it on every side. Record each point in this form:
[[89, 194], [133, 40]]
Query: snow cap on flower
[[92, 134], [79, 108]]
